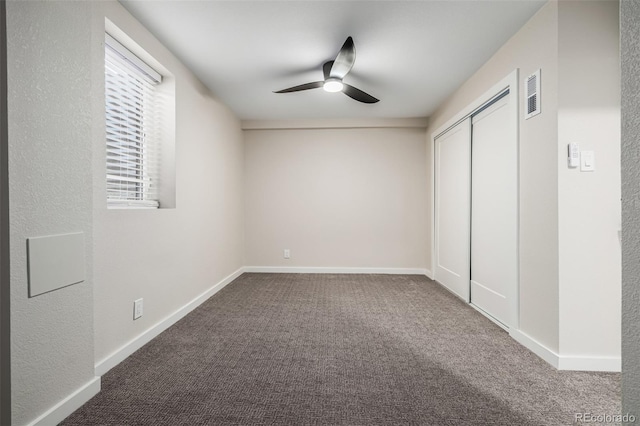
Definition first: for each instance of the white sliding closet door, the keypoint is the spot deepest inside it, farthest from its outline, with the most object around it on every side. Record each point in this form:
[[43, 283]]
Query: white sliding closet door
[[494, 211], [452, 208]]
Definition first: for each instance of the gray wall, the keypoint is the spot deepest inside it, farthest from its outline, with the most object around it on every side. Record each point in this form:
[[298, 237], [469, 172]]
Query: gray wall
[[5, 366], [630, 52]]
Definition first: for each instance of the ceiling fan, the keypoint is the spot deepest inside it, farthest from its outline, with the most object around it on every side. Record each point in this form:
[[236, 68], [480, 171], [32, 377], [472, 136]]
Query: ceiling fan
[[334, 72]]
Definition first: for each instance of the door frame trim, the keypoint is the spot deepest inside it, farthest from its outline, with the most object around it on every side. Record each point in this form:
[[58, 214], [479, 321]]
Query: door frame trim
[[510, 82]]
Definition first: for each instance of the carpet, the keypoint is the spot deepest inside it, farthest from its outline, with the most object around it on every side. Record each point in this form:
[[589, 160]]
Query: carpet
[[331, 349]]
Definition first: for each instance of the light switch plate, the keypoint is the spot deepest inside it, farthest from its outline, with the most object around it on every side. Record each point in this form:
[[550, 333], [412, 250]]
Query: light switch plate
[[587, 161], [54, 262]]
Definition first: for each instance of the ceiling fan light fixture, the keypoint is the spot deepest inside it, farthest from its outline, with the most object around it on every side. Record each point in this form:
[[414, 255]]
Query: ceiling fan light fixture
[[334, 71], [333, 85]]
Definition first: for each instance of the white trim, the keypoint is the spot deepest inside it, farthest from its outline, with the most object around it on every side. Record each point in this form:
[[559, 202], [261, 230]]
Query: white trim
[[429, 274], [352, 123], [567, 362], [536, 347], [115, 204], [133, 345], [590, 363], [71, 403], [335, 270]]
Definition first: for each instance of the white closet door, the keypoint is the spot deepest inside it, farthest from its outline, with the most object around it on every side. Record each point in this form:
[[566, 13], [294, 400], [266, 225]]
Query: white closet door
[[452, 208], [494, 211]]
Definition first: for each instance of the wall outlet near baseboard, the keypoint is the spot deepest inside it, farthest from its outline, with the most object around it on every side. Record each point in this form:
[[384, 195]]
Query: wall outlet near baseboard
[[287, 253], [137, 309]]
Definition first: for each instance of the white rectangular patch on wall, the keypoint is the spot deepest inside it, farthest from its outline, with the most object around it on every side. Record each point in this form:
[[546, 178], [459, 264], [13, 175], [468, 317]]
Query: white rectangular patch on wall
[[54, 262], [532, 95]]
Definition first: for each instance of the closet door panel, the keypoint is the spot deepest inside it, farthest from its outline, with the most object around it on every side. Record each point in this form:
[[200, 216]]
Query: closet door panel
[[452, 208], [494, 211]]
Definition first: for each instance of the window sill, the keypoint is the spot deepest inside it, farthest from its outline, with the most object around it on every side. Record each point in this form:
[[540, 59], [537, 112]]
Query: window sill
[[126, 205]]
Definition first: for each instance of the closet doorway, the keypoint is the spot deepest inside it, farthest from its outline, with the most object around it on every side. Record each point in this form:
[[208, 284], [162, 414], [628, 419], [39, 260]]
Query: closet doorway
[[476, 205]]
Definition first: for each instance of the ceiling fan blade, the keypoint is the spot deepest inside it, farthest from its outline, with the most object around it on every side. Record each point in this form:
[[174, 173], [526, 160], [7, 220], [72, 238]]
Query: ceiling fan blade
[[345, 59], [326, 69], [358, 94], [307, 86]]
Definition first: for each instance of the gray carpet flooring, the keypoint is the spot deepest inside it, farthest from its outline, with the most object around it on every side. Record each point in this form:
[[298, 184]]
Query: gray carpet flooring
[[321, 349]]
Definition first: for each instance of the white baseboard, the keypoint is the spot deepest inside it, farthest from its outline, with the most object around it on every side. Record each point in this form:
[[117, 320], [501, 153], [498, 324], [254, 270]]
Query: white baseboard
[[586, 363], [567, 362], [536, 347], [71, 403], [133, 345], [333, 270], [429, 274]]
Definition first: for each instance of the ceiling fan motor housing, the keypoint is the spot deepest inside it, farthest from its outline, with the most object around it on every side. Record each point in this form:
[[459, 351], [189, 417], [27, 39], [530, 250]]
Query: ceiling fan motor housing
[[333, 84]]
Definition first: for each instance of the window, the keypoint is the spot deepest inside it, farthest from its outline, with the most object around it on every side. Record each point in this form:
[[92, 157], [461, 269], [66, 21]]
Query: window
[[132, 128]]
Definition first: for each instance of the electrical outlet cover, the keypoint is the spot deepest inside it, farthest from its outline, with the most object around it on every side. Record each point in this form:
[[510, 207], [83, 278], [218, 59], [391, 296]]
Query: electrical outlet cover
[[137, 309]]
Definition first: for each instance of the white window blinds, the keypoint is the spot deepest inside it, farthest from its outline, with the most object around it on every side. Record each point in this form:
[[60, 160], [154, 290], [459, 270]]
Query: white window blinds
[[132, 128]]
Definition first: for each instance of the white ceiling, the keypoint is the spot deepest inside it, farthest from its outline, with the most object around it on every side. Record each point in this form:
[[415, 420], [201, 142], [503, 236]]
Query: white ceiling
[[409, 54]]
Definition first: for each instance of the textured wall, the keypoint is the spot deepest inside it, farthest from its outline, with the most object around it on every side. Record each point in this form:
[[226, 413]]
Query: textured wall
[[5, 343], [336, 197], [630, 50], [534, 46], [168, 256], [50, 177]]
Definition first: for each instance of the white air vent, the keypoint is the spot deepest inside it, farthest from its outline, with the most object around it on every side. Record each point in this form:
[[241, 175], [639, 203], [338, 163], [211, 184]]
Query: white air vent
[[532, 95]]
